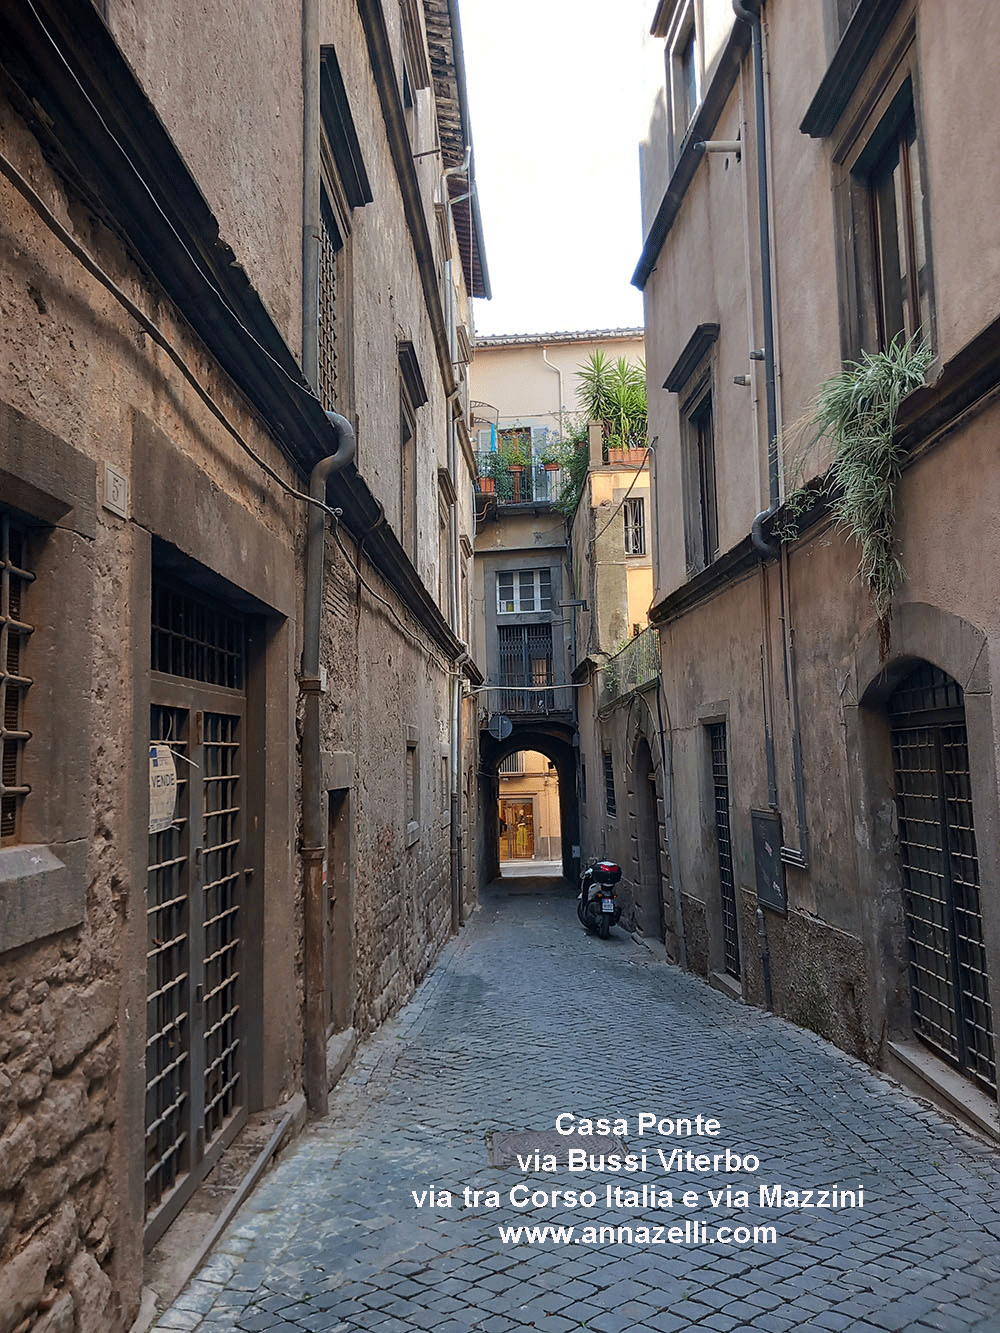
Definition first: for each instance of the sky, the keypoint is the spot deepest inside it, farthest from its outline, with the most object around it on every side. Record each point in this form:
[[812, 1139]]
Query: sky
[[559, 100]]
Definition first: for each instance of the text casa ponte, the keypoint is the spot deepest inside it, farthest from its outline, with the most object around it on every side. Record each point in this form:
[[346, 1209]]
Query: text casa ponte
[[683, 1127]]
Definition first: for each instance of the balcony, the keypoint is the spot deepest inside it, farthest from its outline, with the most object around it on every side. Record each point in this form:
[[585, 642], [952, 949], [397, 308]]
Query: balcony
[[513, 483], [519, 702], [632, 667]]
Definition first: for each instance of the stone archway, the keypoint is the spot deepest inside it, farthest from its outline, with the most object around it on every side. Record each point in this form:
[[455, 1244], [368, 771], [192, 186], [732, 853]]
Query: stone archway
[[922, 634], [649, 879], [555, 742], [648, 796]]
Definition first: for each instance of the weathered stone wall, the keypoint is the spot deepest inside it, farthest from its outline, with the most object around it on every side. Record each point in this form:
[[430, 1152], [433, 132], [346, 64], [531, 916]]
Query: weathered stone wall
[[83, 387], [59, 1053]]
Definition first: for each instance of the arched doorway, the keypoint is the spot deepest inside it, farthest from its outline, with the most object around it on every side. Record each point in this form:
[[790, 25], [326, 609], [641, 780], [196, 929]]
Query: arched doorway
[[529, 808], [949, 986], [554, 743], [649, 890]]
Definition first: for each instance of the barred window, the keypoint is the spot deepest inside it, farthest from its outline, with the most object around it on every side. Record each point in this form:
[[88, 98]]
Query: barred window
[[635, 527], [14, 684], [610, 804]]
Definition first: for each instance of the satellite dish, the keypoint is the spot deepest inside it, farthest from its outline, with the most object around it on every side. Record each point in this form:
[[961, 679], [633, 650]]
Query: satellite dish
[[500, 727]]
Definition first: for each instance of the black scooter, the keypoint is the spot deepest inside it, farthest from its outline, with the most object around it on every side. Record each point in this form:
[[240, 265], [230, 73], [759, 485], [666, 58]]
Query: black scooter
[[597, 906]]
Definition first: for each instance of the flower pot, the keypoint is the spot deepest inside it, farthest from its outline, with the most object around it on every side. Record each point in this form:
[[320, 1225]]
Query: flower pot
[[634, 455], [616, 455], [515, 468], [487, 485], [551, 467]]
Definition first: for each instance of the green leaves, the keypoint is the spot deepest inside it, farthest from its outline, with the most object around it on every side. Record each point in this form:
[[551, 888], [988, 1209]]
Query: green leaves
[[614, 393], [856, 411]]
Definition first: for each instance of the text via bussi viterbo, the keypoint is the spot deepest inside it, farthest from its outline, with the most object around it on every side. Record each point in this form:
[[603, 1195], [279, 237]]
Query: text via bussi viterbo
[[650, 1180]]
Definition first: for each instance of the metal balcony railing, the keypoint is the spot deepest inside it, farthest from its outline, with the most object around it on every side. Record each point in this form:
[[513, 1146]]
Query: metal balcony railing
[[517, 701], [631, 668], [513, 484]]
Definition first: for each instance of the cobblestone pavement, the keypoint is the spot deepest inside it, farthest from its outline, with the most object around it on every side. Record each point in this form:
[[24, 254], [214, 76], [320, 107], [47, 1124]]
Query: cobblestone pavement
[[526, 1017]]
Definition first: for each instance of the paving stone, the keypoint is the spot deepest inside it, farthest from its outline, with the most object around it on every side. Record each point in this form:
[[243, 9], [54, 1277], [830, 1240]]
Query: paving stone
[[332, 1240]]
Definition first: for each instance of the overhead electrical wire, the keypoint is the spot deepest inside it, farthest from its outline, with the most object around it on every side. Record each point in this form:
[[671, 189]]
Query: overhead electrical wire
[[146, 324]]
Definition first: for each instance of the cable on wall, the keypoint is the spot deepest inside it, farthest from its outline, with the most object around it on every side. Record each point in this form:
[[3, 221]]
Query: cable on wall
[[146, 324]]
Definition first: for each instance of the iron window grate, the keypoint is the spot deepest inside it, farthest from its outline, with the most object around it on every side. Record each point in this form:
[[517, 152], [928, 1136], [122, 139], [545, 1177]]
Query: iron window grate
[[635, 527], [14, 683], [727, 886], [168, 998], [949, 985], [195, 639], [526, 661], [221, 915], [327, 346], [610, 804]]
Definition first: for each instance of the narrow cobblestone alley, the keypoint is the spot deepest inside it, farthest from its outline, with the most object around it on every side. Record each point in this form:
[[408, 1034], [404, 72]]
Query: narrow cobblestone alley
[[526, 1017]]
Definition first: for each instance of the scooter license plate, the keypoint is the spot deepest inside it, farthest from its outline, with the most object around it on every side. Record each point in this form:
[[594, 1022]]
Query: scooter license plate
[[607, 904]]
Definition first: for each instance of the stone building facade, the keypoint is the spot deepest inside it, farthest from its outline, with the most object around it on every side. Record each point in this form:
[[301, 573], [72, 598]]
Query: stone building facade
[[834, 793], [525, 403], [195, 269]]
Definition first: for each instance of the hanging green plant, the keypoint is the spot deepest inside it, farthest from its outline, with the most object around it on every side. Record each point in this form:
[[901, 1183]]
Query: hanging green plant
[[856, 411]]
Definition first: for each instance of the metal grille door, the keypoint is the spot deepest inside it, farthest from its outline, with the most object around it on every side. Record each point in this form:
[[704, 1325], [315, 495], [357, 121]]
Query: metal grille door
[[949, 986], [526, 660], [168, 978], [195, 905], [727, 887]]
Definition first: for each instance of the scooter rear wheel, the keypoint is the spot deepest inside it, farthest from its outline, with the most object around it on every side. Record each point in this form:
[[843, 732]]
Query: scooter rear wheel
[[604, 927]]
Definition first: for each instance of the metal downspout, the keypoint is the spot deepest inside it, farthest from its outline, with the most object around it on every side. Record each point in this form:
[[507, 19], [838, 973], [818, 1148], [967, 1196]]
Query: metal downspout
[[545, 358], [311, 220], [455, 680], [760, 543], [313, 833], [764, 548]]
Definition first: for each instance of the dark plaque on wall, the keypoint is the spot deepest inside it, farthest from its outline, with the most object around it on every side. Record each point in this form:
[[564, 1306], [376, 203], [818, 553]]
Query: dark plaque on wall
[[767, 860]]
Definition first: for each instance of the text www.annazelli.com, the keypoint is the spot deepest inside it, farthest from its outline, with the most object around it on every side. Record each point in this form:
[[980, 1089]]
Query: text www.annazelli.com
[[691, 1233]]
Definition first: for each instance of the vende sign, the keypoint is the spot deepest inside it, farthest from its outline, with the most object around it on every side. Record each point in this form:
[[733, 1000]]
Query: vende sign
[[162, 788]]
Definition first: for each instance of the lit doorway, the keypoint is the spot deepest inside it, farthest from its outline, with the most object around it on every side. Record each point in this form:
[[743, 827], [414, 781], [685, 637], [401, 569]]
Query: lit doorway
[[528, 808]]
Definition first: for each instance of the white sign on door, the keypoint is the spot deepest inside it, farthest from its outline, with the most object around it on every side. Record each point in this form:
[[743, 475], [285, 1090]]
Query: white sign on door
[[162, 788]]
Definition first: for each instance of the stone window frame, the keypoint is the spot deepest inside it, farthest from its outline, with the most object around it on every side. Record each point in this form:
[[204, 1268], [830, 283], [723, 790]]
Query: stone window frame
[[344, 186], [411, 786], [887, 96], [412, 396], [52, 490]]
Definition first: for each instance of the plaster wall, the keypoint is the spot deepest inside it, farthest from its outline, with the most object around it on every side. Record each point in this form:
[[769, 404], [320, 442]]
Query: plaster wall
[[515, 380]]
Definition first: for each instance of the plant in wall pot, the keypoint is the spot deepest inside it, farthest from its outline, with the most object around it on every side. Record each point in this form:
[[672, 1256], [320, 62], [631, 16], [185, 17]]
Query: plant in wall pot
[[614, 393], [856, 410]]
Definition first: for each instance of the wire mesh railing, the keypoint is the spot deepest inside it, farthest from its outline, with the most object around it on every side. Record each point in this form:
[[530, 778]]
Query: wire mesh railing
[[631, 668]]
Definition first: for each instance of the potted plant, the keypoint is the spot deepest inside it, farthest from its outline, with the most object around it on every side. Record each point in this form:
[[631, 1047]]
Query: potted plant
[[550, 460], [516, 459]]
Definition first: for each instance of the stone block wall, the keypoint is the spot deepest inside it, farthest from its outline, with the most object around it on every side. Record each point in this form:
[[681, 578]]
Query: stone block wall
[[58, 1057]]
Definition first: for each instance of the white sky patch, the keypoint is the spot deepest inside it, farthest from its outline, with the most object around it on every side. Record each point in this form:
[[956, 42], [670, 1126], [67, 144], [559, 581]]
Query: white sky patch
[[559, 94]]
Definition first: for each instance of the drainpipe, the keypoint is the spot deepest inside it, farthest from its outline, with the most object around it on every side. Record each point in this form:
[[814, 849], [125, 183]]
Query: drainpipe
[[313, 848], [311, 220], [763, 547], [545, 358]]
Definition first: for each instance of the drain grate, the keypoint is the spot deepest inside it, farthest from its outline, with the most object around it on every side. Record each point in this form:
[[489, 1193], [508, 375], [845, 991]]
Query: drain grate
[[506, 1146]]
